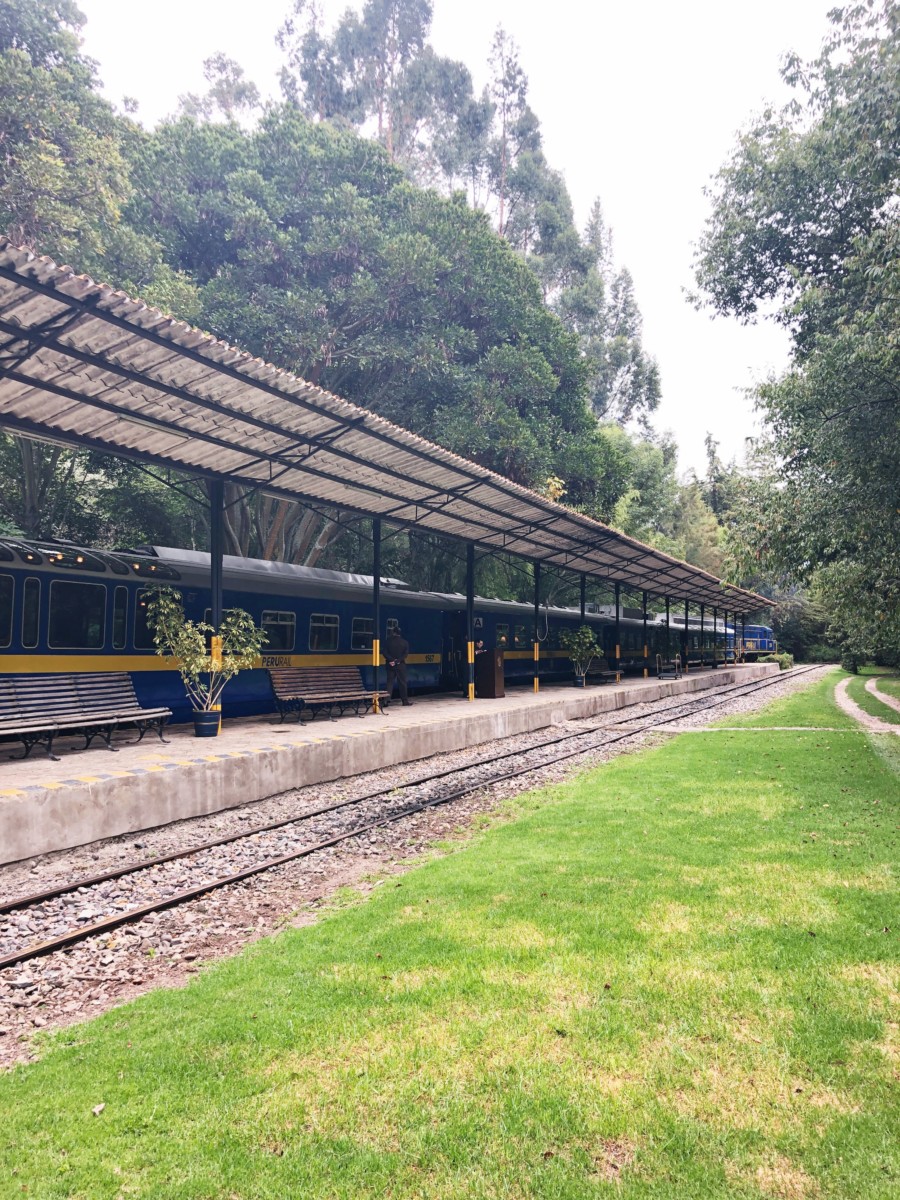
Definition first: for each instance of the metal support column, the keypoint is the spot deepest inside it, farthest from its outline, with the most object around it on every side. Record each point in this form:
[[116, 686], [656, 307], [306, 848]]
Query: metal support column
[[583, 596], [216, 554], [376, 612], [668, 654], [715, 638], [470, 620], [618, 601], [743, 637], [537, 625], [702, 634], [686, 639], [646, 647]]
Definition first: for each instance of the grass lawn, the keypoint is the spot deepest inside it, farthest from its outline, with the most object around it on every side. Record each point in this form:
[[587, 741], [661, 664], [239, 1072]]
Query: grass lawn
[[890, 684], [675, 977], [869, 703]]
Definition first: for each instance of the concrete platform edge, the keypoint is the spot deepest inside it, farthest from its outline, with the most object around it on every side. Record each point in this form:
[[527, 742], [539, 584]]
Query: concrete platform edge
[[40, 819]]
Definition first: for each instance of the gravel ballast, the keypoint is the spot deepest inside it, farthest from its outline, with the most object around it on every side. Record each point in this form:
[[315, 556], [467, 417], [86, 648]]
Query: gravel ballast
[[166, 948]]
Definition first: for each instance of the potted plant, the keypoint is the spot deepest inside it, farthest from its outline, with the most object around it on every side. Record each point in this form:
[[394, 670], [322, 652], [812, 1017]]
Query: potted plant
[[204, 669], [583, 648]]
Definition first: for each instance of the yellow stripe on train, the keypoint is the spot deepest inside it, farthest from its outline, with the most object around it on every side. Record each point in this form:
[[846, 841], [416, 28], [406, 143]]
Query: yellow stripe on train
[[52, 664]]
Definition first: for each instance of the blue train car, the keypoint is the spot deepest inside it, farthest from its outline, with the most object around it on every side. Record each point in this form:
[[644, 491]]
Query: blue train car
[[66, 608], [751, 641]]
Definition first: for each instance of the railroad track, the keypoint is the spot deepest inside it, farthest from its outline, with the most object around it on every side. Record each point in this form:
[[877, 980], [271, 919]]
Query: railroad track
[[48, 907]]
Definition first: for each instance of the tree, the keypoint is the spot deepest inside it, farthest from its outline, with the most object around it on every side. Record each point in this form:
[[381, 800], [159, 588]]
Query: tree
[[806, 183], [62, 178], [597, 302], [377, 70], [229, 93], [312, 250], [804, 213]]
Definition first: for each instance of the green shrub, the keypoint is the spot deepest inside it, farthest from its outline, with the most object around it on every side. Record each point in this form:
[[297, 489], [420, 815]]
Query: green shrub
[[184, 642], [785, 661], [819, 652], [582, 646]]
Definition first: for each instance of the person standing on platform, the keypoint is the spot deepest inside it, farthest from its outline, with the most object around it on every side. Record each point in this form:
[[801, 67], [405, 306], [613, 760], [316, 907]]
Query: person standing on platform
[[395, 651]]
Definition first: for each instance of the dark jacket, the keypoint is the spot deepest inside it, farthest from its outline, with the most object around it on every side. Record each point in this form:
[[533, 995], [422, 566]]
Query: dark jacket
[[395, 649]]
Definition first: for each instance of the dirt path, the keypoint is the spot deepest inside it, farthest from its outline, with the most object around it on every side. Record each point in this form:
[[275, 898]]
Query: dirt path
[[852, 709], [890, 701]]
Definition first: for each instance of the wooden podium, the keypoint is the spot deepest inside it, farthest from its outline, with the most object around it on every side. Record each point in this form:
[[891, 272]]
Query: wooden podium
[[489, 675]]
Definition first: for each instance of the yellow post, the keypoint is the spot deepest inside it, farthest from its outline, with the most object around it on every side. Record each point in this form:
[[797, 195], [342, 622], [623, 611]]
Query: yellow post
[[646, 659], [470, 661], [376, 656], [215, 663], [537, 660]]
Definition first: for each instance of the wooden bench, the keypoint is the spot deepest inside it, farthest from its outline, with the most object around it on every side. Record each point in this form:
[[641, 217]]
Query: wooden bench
[[39, 708], [321, 688], [601, 671]]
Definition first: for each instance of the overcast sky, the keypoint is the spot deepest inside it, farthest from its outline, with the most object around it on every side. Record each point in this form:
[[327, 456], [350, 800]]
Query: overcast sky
[[639, 105]]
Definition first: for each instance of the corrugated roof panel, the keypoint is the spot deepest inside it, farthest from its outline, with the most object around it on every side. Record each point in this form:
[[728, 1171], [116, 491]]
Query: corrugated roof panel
[[80, 362]]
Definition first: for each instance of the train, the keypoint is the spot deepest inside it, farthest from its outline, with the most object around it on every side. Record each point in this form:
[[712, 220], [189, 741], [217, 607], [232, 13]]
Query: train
[[64, 607]]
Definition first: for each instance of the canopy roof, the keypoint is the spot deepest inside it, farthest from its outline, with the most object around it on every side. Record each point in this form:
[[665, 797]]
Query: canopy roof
[[84, 365]]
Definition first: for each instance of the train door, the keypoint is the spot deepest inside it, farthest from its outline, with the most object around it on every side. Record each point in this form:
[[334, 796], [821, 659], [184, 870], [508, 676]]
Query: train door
[[453, 657]]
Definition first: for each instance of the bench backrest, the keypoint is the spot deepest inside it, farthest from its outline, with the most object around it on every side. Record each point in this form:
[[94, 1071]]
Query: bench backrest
[[599, 664], [33, 696], [110, 691], [294, 681]]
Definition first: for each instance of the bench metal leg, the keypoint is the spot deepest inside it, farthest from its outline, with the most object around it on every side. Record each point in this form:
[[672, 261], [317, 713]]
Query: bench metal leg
[[106, 734], [30, 742], [144, 726]]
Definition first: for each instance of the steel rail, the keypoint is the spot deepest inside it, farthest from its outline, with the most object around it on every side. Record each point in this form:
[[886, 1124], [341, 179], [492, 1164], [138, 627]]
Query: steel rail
[[132, 868], [134, 914]]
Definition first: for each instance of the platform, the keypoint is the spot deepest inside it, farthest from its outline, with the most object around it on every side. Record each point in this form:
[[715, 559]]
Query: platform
[[93, 794]]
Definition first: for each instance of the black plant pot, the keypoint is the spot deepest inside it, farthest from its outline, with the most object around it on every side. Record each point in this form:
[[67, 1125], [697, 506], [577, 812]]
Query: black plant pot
[[206, 724]]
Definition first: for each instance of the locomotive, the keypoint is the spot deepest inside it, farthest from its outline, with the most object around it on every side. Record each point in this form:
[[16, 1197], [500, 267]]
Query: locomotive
[[68, 608]]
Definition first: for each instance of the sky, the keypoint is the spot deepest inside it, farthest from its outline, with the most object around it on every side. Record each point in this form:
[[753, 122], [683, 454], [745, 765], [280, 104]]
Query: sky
[[639, 104]]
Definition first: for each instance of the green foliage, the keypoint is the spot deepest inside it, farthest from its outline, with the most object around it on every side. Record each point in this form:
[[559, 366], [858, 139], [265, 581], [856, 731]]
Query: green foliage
[[312, 251], [582, 646], [185, 642], [308, 245], [807, 184], [91, 498], [819, 652], [800, 622], [63, 178], [803, 213], [785, 661]]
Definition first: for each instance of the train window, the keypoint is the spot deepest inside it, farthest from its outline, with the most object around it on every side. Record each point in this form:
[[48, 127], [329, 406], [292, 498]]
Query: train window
[[361, 633], [323, 631], [120, 618], [77, 615], [502, 635], [153, 570], [72, 558], [392, 625], [6, 607], [115, 565], [31, 609], [143, 638], [280, 628], [523, 637]]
